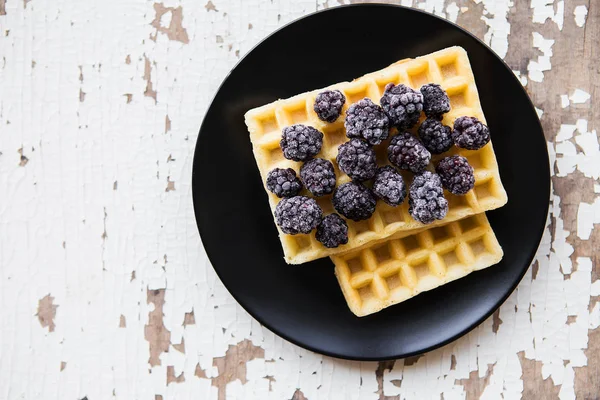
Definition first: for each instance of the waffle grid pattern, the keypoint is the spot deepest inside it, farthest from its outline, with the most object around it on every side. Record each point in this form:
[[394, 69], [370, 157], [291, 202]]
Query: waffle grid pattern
[[396, 270], [451, 69]]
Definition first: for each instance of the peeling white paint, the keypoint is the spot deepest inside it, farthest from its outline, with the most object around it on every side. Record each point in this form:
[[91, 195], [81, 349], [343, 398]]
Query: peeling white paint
[[539, 112], [496, 18], [571, 157], [565, 132], [564, 101], [521, 78], [452, 11], [579, 96], [580, 13], [67, 229], [545, 9], [587, 216], [537, 68]]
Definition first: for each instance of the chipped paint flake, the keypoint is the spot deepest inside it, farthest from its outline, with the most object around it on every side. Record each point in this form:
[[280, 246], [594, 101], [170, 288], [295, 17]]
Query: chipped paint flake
[[22, 159], [149, 91], [564, 101], [169, 21], [496, 18], [587, 216], [579, 96], [452, 11], [580, 12], [521, 78], [155, 332], [46, 312], [210, 6], [548, 9], [537, 68], [170, 185], [167, 124]]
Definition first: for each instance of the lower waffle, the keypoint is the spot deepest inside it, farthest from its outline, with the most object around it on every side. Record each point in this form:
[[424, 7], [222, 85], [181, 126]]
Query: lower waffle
[[451, 69], [394, 270]]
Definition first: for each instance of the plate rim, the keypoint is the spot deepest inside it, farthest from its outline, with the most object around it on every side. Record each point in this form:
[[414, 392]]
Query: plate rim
[[467, 328]]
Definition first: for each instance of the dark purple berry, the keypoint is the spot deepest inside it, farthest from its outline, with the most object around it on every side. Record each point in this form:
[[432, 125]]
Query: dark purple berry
[[436, 137], [366, 120], [283, 182], [426, 201], [406, 152], [456, 174], [332, 231], [470, 133], [402, 105], [328, 105], [435, 101], [300, 142], [389, 185], [318, 176], [298, 214], [357, 160], [354, 201]]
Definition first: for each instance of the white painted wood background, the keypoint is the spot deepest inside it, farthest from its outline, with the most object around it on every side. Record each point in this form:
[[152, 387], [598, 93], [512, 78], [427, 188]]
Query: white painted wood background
[[105, 289]]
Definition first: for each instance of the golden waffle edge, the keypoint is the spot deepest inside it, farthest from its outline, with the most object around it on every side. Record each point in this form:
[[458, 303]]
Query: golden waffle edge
[[451, 69], [394, 270]]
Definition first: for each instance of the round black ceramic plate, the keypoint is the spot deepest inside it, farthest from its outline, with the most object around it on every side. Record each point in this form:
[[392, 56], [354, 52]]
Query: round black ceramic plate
[[304, 303]]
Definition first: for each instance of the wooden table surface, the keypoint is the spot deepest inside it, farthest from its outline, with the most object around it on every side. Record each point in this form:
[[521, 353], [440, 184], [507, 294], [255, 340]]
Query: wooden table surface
[[105, 289]]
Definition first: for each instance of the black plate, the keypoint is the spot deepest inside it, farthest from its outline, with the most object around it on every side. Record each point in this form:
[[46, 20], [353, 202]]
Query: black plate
[[304, 304]]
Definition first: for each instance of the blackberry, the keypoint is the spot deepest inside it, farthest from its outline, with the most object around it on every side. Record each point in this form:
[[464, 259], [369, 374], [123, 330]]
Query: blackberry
[[456, 174], [367, 120], [406, 152], [318, 176], [436, 137], [426, 201], [435, 101], [283, 182], [357, 159], [300, 142], [332, 231], [298, 214], [328, 105], [354, 200], [470, 133], [402, 104], [389, 186]]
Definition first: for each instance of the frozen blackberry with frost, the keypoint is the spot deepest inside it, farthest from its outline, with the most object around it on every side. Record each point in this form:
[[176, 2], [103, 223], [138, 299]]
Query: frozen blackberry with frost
[[283, 182], [357, 159], [389, 185], [300, 142], [332, 231], [366, 120], [426, 201], [354, 201], [402, 105], [298, 214], [328, 105], [318, 176], [436, 137], [470, 133], [456, 174], [435, 101], [406, 152]]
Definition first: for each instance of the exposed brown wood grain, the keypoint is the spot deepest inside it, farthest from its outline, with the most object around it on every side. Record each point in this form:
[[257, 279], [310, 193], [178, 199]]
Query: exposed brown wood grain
[[232, 366], [155, 332], [474, 385]]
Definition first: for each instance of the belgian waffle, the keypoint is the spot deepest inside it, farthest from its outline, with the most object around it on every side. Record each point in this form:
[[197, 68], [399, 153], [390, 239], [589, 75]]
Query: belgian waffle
[[397, 269], [451, 69]]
